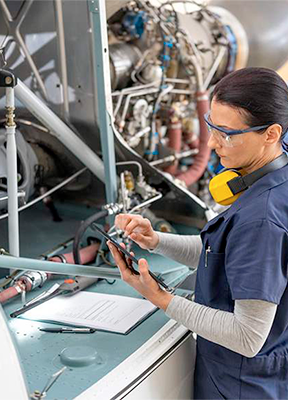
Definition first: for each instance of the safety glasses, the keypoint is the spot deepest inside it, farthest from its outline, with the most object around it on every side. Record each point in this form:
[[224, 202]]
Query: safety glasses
[[228, 137]]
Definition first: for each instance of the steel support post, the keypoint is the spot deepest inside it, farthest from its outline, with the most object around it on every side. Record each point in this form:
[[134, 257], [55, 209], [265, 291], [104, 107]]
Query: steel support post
[[104, 99], [8, 81]]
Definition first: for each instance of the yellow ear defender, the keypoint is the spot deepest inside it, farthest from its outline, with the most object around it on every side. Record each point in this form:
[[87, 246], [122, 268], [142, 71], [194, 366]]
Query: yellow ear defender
[[228, 185], [220, 190]]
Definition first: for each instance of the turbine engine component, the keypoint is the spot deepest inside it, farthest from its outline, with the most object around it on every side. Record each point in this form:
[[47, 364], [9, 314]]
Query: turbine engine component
[[164, 61], [183, 55], [265, 24]]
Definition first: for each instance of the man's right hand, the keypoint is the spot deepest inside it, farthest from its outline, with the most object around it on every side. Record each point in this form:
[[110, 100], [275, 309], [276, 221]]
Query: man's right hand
[[138, 229]]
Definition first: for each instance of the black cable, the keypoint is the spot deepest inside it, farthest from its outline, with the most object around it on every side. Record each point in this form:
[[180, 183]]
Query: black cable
[[83, 227]]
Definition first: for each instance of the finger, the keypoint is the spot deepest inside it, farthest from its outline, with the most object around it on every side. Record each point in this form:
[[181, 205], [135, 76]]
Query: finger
[[144, 269], [117, 257], [145, 275], [124, 247], [122, 220], [114, 250], [142, 240], [129, 261], [133, 224]]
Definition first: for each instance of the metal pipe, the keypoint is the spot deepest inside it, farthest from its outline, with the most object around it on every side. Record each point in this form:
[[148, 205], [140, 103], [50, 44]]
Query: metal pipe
[[146, 203], [29, 123], [6, 11], [214, 67], [181, 91], [57, 268], [173, 157], [31, 203], [177, 80], [104, 100], [123, 92], [132, 163], [128, 98], [19, 194], [14, 31], [31, 280], [62, 55], [12, 177], [59, 129]]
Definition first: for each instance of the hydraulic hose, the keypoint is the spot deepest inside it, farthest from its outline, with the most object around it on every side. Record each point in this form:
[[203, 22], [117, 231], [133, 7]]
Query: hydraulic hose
[[87, 255], [11, 292], [79, 234], [27, 282], [201, 159], [175, 142]]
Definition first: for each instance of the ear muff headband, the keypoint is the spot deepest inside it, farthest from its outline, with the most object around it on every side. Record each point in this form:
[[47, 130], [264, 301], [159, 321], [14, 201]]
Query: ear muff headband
[[227, 186]]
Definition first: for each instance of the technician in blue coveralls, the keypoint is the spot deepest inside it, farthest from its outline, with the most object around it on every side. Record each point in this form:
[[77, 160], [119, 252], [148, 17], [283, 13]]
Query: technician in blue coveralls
[[240, 312]]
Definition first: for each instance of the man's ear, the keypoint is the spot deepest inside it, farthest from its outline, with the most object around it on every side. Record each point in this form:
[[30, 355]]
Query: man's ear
[[273, 134]]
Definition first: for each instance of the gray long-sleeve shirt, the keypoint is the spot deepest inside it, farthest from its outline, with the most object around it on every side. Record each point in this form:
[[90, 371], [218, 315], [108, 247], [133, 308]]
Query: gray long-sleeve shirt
[[243, 331]]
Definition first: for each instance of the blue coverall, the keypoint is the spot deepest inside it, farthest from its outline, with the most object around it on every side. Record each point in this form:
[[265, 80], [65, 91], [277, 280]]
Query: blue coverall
[[245, 256]]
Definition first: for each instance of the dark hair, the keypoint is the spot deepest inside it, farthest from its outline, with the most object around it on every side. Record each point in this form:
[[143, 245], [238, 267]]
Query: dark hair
[[260, 92]]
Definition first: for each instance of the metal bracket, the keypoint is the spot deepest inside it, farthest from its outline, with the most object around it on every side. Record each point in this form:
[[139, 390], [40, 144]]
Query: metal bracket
[[94, 6], [7, 79]]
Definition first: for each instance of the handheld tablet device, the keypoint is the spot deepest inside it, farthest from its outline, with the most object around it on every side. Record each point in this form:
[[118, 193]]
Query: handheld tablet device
[[134, 259]]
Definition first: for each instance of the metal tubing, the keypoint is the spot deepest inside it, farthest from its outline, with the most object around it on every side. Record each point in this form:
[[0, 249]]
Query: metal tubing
[[123, 92], [62, 54], [12, 181], [146, 203], [34, 201], [59, 129], [214, 67], [14, 25], [104, 98], [20, 194], [58, 268], [173, 157]]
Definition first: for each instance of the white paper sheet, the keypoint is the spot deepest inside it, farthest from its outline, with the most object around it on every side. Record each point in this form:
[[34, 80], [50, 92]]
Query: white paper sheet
[[94, 310]]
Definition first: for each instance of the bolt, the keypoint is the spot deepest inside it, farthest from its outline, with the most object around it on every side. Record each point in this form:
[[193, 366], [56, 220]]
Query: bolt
[[8, 80]]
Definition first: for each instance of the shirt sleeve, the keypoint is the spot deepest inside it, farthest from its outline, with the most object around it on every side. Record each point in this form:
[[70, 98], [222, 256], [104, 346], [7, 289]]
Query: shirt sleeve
[[256, 261], [243, 331], [185, 249]]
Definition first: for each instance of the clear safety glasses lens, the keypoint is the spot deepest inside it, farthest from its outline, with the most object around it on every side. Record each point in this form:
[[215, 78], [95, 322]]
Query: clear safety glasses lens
[[226, 140]]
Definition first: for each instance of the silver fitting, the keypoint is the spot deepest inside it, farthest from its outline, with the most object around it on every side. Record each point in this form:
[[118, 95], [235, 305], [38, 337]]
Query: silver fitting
[[113, 208], [35, 278], [10, 116], [61, 257]]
